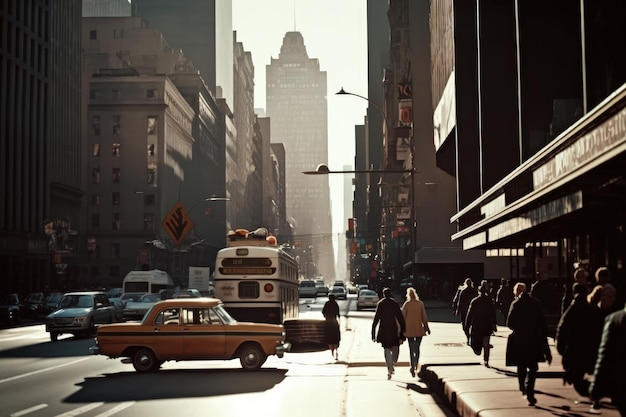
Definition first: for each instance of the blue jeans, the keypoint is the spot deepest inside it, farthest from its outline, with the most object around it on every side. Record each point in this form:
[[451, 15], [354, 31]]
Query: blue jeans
[[414, 350], [391, 357]]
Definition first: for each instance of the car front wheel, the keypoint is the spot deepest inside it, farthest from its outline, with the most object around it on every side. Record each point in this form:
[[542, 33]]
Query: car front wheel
[[54, 336], [252, 357], [145, 361]]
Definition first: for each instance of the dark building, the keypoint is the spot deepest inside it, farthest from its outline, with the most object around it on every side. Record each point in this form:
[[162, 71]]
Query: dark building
[[39, 143], [538, 141]]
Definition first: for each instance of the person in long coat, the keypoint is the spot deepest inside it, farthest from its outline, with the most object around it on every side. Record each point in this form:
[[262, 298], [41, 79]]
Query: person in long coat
[[481, 322], [332, 332], [391, 329], [576, 341], [416, 320], [610, 366], [462, 300], [528, 343]]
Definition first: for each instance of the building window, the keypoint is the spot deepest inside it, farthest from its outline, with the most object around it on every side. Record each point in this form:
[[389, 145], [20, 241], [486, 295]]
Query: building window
[[116, 175], [152, 125], [95, 176], [151, 149], [95, 220], [116, 198], [95, 149], [93, 34], [115, 250], [148, 221], [95, 125], [148, 200], [152, 93], [95, 94], [114, 271], [151, 173], [95, 200], [117, 122], [116, 149], [116, 221]]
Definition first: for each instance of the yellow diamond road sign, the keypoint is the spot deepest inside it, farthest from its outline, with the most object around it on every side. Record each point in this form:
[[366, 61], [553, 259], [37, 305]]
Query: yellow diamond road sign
[[177, 224]]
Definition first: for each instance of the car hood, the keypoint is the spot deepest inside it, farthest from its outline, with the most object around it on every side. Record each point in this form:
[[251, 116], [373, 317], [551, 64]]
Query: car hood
[[71, 312]]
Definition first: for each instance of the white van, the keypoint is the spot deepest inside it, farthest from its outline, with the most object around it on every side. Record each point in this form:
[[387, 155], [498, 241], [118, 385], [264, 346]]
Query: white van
[[152, 281]]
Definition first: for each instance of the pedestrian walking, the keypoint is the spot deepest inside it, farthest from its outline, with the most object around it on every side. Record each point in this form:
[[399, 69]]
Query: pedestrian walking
[[576, 341], [416, 321], [391, 329], [527, 344], [332, 332], [481, 322], [610, 367], [462, 300], [504, 297]]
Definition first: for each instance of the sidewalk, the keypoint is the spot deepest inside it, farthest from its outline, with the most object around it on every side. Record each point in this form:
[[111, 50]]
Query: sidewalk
[[453, 372]]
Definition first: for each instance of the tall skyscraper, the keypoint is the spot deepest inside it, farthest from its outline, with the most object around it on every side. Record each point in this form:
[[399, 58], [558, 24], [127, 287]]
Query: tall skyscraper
[[296, 104]]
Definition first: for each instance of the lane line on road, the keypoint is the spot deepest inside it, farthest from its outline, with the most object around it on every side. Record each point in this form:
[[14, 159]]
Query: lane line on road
[[116, 409], [80, 410], [28, 410], [13, 378]]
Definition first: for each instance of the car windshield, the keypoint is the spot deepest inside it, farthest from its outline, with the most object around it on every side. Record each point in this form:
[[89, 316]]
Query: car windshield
[[54, 298], [73, 301], [223, 314], [367, 293], [10, 300], [150, 298]]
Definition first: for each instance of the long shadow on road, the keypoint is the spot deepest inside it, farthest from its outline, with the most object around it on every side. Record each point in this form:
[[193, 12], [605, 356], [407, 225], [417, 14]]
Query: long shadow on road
[[172, 384]]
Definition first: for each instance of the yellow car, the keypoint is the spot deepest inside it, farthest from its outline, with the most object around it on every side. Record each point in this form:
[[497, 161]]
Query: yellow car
[[189, 329]]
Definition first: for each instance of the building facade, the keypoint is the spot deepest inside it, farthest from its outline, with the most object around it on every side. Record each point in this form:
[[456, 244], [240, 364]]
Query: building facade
[[296, 104], [529, 117]]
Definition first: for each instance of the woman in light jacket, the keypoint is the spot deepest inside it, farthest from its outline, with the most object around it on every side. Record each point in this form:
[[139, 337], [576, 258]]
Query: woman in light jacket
[[416, 325]]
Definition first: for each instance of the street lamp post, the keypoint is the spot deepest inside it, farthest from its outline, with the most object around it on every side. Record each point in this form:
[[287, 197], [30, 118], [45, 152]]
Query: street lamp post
[[411, 171]]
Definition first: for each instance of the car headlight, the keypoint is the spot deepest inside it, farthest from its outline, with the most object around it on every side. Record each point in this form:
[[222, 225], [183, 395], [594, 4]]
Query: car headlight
[[80, 320]]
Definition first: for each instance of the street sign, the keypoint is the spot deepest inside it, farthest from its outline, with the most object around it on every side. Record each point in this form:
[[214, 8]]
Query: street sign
[[177, 224]]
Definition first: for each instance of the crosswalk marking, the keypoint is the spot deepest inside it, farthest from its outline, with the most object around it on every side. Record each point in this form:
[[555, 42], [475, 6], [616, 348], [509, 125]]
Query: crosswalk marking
[[116, 409], [28, 410], [80, 410]]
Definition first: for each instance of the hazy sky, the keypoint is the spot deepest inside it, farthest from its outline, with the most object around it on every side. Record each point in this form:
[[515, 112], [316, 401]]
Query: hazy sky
[[335, 32]]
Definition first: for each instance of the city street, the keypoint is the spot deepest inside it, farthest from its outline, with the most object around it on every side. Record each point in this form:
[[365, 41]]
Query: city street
[[41, 378]]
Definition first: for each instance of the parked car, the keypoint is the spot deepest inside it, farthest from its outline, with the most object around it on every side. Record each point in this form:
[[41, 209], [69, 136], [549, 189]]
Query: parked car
[[366, 299], [321, 288], [190, 329], [114, 292], [339, 292], [10, 309], [307, 288], [34, 305], [135, 310], [79, 313], [52, 301]]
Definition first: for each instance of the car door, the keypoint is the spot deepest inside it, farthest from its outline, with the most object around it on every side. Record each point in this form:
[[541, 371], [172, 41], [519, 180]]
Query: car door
[[101, 309], [203, 334], [167, 334]]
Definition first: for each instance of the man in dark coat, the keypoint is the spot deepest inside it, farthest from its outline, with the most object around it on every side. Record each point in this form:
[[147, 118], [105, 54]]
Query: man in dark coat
[[391, 330], [481, 322], [610, 366], [464, 297], [527, 344], [504, 297], [575, 341]]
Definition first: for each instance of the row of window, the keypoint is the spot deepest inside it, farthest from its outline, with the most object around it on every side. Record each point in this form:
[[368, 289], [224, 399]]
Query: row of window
[[116, 94], [116, 125], [116, 222], [148, 199], [116, 148], [116, 176]]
